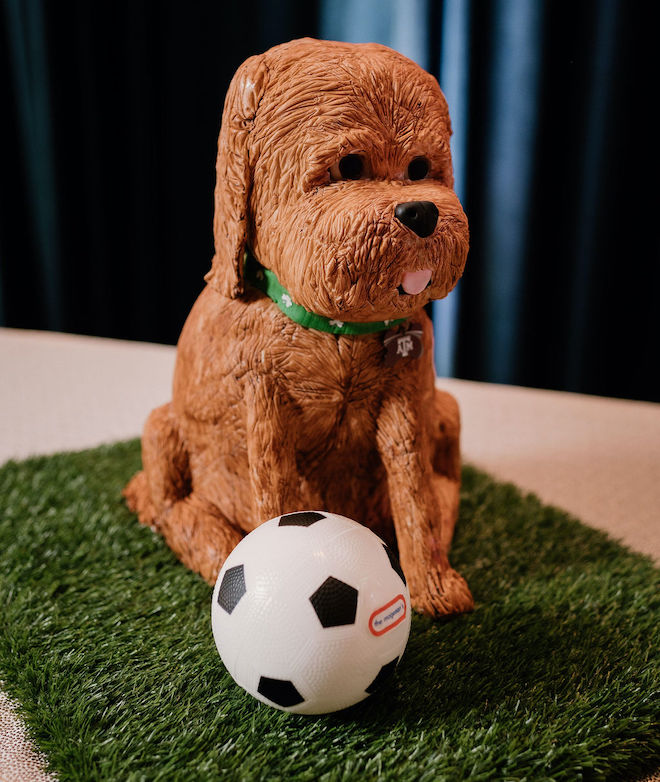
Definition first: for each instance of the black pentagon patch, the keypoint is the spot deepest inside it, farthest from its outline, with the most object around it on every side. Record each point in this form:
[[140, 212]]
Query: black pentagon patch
[[301, 519], [232, 588], [280, 691], [335, 603], [394, 562], [385, 672]]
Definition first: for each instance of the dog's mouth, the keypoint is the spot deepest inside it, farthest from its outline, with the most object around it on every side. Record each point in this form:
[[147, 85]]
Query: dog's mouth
[[415, 282]]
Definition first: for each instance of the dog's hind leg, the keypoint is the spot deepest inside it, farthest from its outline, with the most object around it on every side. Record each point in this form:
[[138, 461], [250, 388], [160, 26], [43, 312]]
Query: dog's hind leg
[[199, 534], [165, 477], [446, 458], [162, 496]]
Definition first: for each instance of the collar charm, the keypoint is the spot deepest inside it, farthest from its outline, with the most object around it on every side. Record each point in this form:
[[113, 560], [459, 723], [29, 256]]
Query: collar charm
[[404, 342]]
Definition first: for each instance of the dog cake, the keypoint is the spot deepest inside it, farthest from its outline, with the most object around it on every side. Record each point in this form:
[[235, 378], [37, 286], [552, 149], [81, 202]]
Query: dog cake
[[304, 376]]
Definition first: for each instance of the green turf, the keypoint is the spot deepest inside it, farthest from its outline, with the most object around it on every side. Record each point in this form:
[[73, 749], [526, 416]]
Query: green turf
[[105, 640]]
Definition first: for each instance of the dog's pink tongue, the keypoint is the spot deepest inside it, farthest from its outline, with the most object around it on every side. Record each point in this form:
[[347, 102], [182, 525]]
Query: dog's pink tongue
[[415, 282]]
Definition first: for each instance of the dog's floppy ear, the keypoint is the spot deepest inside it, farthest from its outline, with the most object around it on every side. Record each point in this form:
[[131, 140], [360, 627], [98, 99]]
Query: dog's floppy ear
[[233, 177]]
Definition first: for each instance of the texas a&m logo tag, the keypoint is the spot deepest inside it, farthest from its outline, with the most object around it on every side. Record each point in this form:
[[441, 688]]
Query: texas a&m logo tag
[[403, 343]]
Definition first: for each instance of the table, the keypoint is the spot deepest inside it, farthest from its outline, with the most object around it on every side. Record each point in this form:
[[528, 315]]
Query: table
[[595, 457]]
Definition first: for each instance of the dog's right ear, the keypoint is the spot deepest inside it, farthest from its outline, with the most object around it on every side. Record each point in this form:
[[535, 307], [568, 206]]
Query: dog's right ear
[[233, 176]]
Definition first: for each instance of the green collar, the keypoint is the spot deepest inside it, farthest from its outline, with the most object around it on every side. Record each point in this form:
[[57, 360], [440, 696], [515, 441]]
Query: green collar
[[267, 282]]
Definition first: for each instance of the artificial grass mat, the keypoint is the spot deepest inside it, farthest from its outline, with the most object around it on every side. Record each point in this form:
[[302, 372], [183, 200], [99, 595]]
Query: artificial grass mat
[[106, 643]]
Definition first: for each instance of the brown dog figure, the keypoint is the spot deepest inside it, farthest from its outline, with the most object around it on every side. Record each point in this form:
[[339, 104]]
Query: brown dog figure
[[304, 380]]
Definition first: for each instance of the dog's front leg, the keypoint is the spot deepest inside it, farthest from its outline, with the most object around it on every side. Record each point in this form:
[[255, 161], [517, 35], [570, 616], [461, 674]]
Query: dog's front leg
[[271, 447], [420, 511]]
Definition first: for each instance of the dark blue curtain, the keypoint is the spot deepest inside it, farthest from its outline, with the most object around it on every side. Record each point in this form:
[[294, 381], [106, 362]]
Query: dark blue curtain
[[113, 112], [107, 179]]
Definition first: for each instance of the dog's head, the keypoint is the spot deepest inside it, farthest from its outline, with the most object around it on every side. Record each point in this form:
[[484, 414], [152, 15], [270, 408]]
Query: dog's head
[[334, 166]]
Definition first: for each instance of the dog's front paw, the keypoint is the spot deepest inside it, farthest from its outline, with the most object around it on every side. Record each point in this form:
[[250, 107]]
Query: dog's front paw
[[441, 593]]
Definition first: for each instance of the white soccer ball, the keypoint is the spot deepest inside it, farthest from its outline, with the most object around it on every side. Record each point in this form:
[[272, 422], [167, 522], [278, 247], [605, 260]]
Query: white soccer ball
[[311, 612]]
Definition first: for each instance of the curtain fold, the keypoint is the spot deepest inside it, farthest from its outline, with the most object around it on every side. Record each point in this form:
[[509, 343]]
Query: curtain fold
[[26, 45], [592, 179], [509, 146], [454, 77]]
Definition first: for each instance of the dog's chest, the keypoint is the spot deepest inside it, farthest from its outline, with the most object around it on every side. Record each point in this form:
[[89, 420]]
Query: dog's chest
[[338, 393]]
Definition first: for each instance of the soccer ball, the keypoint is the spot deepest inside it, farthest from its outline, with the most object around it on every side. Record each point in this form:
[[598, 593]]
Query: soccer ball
[[311, 612]]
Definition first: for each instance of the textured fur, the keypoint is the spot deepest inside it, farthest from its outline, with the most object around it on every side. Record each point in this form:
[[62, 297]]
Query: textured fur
[[268, 417]]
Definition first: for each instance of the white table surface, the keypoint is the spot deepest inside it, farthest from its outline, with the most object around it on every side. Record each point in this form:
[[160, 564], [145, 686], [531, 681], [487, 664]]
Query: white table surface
[[595, 457]]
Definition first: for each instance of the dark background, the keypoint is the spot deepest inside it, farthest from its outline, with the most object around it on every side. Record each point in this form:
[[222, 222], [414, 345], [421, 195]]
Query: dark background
[[111, 112]]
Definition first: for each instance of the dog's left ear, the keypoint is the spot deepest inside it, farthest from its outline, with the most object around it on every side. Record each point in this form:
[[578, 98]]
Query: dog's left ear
[[233, 176]]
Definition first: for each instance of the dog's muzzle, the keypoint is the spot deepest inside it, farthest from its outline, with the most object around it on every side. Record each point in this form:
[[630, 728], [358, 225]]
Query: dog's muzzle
[[422, 218]]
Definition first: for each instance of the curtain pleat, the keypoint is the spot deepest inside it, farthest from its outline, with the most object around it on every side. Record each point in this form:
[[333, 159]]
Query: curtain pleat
[[26, 43], [509, 144], [592, 179], [454, 78]]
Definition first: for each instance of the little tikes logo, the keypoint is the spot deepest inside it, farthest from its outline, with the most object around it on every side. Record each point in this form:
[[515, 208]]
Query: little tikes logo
[[389, 616]]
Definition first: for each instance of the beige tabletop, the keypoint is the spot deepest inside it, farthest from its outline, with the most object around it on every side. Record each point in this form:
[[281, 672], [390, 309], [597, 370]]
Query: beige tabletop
[[597, 458]]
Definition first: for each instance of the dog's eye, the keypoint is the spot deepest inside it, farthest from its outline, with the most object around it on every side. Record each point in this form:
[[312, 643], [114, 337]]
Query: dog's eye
[[418, 168], [349, 167]]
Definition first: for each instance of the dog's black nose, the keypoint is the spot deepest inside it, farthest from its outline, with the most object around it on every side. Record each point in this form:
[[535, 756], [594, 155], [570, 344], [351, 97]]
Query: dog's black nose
[[420, 216]]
